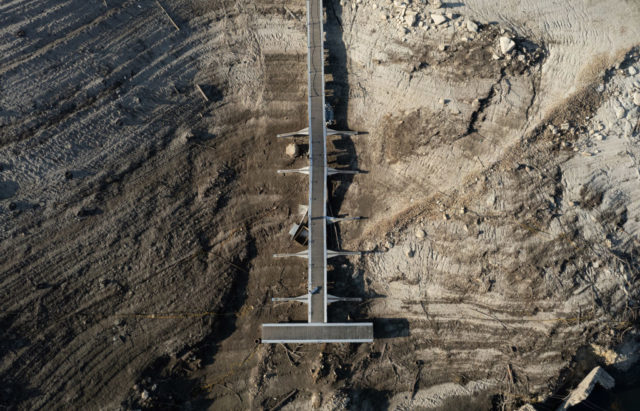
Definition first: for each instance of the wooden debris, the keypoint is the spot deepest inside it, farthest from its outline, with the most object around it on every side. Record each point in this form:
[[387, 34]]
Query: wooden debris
[[168, 16], [284, 400], [202, 93], [510, 375], [290, 13]]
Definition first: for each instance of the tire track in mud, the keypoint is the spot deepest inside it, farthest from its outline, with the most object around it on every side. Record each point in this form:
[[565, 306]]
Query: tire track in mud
[[72, 271]]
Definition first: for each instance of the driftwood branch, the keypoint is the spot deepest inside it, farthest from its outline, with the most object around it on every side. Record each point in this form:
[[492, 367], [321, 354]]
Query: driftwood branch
[[168, 16], [204, 96]]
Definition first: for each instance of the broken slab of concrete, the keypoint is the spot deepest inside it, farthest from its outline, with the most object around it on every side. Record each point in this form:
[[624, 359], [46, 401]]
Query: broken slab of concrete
[[597, 376]]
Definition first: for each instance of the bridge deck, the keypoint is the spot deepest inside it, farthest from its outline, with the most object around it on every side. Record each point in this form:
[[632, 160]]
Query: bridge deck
[[318, 165], [318, 329], [317, 332]]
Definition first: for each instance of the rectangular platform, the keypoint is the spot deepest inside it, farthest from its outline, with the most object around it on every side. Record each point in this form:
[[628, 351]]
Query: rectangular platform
[[317, 333]]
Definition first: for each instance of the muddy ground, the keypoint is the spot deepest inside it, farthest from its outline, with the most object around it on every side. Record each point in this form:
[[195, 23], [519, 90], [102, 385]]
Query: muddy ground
[[139, 215]]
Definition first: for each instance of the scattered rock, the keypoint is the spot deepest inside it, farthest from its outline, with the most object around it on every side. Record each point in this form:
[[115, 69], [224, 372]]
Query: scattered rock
[[420, 233], [620, 112], [316, 400], [410, 18], [144, 395], [438, 19], [408, 251], [632, 71], [472, 26], [292, 150], [636, 98], [436, 4], [21, 33], [506, 44]]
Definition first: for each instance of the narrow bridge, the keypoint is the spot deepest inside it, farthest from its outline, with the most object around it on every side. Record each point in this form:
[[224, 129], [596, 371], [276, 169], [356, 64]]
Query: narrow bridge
[[318, 329]]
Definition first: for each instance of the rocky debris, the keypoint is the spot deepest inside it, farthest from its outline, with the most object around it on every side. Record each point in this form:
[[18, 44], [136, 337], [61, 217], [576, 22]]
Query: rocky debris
[[472, 26], [636, 98], [632, 71], [410, 18], [506, 44], [409, 252], [438, 19], [420, 233], [622, 357], [316, 400], [597, 376], [620, 112], [292, 150]]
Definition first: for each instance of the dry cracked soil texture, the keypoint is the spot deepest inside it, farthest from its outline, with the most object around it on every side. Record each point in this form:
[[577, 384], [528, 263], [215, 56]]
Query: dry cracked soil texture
[[139, 204]]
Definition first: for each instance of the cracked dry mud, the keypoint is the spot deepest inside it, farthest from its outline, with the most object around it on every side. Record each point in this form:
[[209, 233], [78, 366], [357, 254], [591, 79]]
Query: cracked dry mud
[[138, 219]]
